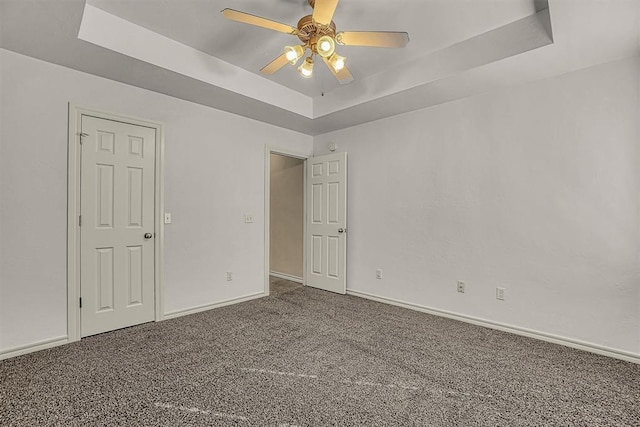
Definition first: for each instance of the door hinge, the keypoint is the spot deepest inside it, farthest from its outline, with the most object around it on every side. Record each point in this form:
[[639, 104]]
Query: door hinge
[[80, 220], [82, 135], [80, 302]]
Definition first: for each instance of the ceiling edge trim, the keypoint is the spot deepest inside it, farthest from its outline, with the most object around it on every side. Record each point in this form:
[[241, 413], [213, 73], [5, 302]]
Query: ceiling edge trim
[[116, 34], [518, 37]]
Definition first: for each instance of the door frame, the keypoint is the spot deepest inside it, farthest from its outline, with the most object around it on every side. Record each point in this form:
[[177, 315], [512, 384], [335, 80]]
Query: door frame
[[269, 149], [73, 212]]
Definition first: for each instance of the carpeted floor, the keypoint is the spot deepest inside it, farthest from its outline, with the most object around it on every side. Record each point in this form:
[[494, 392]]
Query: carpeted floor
[[304, 357]]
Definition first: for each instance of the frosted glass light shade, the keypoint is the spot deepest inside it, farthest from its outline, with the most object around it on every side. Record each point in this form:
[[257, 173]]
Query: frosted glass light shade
[[306, 68], [325, 46], [293, 53], [337, 62]]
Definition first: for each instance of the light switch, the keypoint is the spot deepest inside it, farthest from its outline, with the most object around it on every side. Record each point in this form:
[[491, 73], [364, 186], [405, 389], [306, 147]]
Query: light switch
[[167, 218]]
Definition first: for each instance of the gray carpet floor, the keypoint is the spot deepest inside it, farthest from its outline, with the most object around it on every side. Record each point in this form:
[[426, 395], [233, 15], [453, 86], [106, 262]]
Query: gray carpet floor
[[304, 357]]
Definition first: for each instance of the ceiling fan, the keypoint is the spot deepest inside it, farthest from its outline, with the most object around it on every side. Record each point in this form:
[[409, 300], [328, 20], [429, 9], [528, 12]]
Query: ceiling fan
[[317, 32]]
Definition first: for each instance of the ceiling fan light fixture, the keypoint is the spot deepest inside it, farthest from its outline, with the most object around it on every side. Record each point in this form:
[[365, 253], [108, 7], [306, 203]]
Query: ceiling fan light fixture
[[325, 46], [293, 53], [337, 62], [317, 32], [306, 68]]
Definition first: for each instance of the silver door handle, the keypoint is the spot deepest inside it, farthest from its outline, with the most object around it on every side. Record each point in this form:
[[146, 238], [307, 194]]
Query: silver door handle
[[147, 236], [342, 230]]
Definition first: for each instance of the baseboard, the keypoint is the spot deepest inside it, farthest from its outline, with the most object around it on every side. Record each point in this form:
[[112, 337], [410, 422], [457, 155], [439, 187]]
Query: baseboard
[[205, 307], [30, 348], [54, 342], [287, 277], [556, 339]]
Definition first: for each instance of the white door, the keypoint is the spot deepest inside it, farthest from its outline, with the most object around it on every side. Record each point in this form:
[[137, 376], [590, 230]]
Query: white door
[[117, 225], [327, 222]]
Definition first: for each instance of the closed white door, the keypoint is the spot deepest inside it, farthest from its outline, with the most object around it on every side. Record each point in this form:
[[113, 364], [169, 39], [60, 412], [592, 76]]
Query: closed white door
[[327, 222], [117, 225]]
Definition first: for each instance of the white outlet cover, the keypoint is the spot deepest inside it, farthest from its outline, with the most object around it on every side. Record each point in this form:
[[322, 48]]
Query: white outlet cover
[[248, 218]]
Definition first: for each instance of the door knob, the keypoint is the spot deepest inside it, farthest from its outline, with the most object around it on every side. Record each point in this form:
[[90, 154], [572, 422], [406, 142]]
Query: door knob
[[148, 236], [341, 230]]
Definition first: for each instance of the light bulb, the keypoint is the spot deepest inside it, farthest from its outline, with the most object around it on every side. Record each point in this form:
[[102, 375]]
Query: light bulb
[[306, 68], [293, 53], [325, 46], [337, 62]]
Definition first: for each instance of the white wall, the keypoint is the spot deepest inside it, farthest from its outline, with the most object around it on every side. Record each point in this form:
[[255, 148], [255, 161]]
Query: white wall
[[214, 174], [534, 188], [1, 174]]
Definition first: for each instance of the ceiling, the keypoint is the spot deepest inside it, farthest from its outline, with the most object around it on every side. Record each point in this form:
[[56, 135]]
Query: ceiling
[[432, 25], [186, 49]]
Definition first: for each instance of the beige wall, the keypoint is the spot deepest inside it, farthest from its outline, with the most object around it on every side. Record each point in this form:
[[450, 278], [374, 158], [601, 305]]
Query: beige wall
[[287, 202]]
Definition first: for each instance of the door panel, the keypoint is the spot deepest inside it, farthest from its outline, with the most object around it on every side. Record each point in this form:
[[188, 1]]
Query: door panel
[[135, 197], [117, 207], [104, 279], [135, 277], [327, 222], [104, 196]]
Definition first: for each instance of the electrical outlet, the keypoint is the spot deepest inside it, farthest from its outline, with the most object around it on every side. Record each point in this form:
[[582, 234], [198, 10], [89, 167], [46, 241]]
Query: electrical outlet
[[461, 286], [500, 294], [229, 276], [378, 274], [248, 218]]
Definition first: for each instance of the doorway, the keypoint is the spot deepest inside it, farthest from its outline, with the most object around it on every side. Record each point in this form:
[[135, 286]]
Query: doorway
[[284, 217], [115, 233], [324, 221]]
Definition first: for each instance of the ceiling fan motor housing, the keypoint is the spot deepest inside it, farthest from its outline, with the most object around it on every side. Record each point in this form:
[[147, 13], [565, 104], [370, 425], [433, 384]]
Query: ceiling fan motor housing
[[308, 29]]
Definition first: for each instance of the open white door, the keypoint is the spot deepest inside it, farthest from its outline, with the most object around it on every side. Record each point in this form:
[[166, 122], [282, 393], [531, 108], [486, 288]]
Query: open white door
[[327, 222]]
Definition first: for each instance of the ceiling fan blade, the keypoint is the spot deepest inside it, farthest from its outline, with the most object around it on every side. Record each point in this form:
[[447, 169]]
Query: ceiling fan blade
[[343, 76], [323, 11], [275, 65], [247, 18], [373, 38]]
